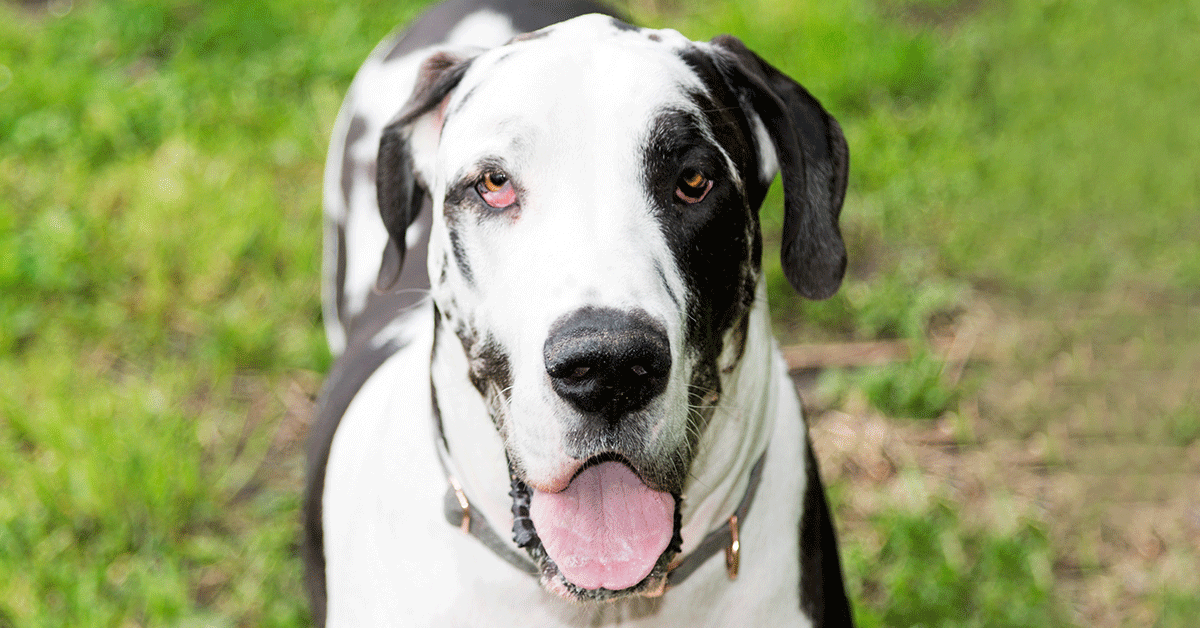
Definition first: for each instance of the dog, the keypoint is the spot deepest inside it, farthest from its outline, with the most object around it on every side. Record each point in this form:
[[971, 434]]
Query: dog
[[556, 399]]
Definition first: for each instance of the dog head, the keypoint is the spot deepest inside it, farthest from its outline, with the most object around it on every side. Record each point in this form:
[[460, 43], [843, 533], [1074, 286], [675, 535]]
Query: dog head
[[596, 252]]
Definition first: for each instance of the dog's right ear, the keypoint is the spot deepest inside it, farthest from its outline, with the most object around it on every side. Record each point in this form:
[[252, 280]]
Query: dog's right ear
[[407, 148]]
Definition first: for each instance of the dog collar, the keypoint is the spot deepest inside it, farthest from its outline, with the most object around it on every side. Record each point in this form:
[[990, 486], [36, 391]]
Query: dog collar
[[458, 514]]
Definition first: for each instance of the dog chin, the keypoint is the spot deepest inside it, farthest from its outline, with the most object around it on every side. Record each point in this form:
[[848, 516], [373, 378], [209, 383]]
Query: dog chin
[[652, 586]]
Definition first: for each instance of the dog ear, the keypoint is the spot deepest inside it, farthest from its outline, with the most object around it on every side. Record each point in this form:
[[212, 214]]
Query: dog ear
[[406, 151], [814, 162]]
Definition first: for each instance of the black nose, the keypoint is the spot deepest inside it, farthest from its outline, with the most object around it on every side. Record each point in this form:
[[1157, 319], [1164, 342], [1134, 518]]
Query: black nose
[[606, 361]]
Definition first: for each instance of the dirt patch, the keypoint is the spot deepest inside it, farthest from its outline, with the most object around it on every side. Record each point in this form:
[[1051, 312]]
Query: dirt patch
[[1067, 424]]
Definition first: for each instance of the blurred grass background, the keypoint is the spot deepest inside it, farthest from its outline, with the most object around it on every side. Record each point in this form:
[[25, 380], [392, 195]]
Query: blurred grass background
[[1024, 211]]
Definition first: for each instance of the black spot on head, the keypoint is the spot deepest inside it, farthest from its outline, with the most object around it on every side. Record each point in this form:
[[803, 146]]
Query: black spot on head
[[623, 26], [654, 37], [725, 111], [714, 242], [666, 285], [717, 242], [531, 15], [460, 257], [434, 25], [462, 102]]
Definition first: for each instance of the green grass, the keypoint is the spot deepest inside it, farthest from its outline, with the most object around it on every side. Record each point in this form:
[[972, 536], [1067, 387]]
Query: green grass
[[160, 166], [967, 578]]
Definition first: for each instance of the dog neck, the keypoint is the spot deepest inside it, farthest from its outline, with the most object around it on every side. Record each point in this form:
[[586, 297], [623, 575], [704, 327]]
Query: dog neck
[[737, 436]]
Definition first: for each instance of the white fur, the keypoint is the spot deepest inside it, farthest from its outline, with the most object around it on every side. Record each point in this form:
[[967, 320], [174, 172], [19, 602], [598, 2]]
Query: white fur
[[586, 235]]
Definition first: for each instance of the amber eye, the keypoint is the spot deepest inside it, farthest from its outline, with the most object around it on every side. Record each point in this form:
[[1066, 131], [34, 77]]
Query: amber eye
[[496, 190], [692, 186], [494, 181]]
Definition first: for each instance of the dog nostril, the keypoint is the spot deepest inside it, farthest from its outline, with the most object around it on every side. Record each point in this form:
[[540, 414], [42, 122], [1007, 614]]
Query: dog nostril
[[580, 372]]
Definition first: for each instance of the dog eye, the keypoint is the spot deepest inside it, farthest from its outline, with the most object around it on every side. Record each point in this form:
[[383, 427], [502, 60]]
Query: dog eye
[[692, 186], [496, 190]]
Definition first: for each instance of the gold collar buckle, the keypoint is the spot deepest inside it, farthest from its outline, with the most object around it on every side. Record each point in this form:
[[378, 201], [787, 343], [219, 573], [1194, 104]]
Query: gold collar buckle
[[461, 496], [733, 551]]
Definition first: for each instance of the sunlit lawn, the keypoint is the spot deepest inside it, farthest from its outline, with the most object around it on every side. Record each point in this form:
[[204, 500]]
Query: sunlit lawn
[[1026, 170]]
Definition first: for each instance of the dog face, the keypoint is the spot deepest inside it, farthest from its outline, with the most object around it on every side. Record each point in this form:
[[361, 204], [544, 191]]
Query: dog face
[[596, 252]]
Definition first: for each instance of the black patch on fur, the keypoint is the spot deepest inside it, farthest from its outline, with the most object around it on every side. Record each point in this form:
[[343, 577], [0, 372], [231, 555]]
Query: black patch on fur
[[458, 194], [666, 285], [738, 338], [524, 534], [340, 279], [723, 109], [358, 128], [822, 593], [462, 102], [433, 396], [715, 243], [708, 240], [460, 257], [349, 373], [489, 366], [526, 15]]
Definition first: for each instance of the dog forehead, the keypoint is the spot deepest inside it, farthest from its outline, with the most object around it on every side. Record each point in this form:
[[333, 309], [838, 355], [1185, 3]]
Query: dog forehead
[[588, 67]]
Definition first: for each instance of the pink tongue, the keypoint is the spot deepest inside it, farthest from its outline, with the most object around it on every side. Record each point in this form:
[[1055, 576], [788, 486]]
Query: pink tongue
[[607, 529]]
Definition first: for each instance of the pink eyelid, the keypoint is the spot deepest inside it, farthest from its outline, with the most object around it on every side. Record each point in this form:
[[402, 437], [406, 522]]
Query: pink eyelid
[[501, 198], [694, 199]]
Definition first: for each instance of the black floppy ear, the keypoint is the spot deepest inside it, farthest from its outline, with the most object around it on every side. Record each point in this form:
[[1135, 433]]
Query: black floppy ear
[[814, 162], [411, 137]]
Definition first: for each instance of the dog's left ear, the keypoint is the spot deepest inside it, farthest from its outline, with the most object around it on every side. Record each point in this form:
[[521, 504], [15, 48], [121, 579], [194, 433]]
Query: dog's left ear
[[814, 162], [406, 152]]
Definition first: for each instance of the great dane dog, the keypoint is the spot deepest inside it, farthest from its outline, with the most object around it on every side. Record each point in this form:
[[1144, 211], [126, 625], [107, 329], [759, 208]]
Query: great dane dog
[[557, 400]]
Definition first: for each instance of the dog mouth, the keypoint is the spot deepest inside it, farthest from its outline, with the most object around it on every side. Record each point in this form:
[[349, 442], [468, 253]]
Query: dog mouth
[[607, 535]]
